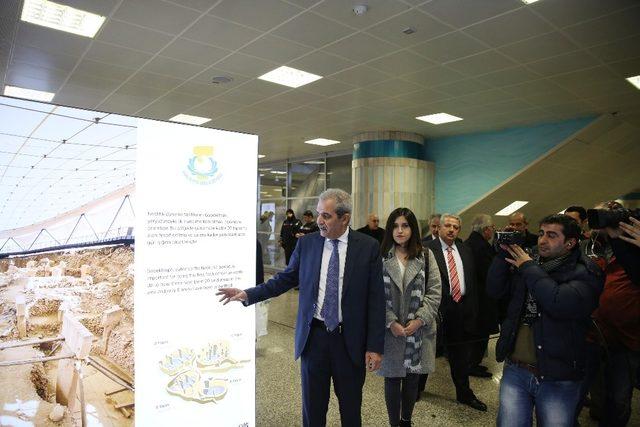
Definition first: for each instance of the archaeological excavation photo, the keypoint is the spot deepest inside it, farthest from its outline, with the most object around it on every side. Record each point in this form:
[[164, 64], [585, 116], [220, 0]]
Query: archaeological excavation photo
[[66, 267], [66, 338]]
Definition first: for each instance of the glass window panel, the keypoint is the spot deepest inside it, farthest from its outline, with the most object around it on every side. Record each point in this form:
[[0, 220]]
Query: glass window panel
[[307, 178], [339, 172], [272, 214]]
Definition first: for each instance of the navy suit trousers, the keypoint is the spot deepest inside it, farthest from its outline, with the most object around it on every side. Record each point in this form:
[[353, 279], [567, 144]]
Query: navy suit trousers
[[325, 357]]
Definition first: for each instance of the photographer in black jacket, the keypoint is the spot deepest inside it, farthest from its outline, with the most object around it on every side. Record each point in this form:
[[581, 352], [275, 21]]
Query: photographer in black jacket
[[542, 340]]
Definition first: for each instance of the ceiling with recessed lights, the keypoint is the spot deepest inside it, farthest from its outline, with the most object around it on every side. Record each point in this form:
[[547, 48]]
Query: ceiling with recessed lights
[[54, 159], [495, 64]]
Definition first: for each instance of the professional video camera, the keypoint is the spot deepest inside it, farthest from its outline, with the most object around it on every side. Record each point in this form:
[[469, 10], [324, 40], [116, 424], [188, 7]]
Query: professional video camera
[[509, 238], [601, 218]]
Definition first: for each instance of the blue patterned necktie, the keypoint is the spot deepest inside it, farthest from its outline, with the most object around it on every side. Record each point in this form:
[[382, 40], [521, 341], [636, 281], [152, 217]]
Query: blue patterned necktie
[[330, 305]]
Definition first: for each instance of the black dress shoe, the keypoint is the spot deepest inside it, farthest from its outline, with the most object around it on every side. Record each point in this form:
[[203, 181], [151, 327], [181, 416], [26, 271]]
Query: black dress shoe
[[474, 403], [480, 373]]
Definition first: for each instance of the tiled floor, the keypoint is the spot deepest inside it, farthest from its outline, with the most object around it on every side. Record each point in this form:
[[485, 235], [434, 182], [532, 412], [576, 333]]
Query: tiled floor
[[278, 401]]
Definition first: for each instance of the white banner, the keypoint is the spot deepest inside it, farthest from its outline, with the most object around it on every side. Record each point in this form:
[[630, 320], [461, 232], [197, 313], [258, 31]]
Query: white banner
[[195, 233]]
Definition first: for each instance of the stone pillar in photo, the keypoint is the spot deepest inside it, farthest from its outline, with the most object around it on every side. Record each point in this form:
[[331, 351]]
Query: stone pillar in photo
[[389, 170]]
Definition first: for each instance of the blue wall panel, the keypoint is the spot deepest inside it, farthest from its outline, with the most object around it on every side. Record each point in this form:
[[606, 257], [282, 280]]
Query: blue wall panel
[[468, 166]]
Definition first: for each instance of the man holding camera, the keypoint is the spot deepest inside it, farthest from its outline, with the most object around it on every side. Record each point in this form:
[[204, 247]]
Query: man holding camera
[[518, 222], [618, 314], [543, 338]]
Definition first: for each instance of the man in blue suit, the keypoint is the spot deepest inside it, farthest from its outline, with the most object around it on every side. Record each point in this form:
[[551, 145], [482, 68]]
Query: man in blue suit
[[341, 314]]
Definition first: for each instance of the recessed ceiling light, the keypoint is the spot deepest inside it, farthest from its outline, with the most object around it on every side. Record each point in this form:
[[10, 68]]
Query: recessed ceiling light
[[261, 156], [279, 172], [513, 207], [314, 162], [192, 120], [36, 95], [288, 76], [439, 118], [221, 80], [529, 1], [635, 80], [61, 17], [322, 141]]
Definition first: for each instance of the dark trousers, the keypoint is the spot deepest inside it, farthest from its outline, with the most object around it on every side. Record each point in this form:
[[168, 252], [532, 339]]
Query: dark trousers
[[422, 382], [478, 350], [620, 377], [400, 396], [288, 251], [459, 366], [458, 349], [325, 358]]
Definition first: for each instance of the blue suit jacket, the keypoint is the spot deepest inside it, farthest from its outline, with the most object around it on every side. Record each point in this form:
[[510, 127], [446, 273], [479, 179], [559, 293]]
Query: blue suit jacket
[[363, 303]]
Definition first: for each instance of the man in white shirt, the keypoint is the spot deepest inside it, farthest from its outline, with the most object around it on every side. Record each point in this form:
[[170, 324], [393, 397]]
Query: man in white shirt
[[459, 304], [341, 313]]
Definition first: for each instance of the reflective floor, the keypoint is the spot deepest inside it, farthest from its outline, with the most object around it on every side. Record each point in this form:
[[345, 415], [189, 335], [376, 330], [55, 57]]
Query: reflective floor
[[278, 401]]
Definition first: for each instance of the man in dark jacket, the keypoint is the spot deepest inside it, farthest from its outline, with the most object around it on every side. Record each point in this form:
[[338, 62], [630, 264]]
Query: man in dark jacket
[[288, 238], [482, 232], [518, 222], [372, 229], [458, 306], [543, 338]]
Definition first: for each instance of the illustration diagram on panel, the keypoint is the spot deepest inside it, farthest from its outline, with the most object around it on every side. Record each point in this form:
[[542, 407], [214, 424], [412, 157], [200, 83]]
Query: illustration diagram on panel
[[199, 375]]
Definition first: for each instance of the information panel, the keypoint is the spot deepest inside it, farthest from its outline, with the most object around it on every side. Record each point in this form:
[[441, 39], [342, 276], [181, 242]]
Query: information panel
[[195, 233]]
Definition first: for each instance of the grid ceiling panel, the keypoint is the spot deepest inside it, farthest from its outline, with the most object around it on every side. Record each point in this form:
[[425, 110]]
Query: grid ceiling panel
[[48, 177]]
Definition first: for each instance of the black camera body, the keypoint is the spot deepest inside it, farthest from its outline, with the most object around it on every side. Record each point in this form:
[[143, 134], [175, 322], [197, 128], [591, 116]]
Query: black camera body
[[601, 218], [509, 238]]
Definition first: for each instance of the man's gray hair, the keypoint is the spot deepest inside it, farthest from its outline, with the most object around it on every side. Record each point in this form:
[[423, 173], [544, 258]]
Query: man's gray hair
[[342, 199], [524, 217], [450, 215], [480, 222]]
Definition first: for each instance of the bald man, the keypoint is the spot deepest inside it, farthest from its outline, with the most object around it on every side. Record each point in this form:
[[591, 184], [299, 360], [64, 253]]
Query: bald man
[[372, 229], [518, 222]]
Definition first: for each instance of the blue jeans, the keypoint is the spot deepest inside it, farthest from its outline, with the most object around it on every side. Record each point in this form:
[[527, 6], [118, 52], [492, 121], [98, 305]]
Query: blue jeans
[[555, 401]]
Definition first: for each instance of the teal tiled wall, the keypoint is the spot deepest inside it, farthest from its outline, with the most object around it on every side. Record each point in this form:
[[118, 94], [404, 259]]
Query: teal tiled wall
[[468, 166]]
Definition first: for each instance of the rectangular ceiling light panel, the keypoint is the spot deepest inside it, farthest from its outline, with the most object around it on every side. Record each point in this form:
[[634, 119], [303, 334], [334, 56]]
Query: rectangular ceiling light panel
[[513, 207], [635, 80], [529, 1], [322, 142], [192, 120], [36, 95], [439, 118], [61, 17], [288, 76]]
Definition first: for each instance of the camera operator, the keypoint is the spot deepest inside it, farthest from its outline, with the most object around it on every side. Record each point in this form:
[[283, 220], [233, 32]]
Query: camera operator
[[518, 222], [543, 339], [618, 315]]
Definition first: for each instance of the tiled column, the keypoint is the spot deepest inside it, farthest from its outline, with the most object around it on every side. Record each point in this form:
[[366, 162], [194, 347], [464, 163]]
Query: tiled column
[[389, 170]]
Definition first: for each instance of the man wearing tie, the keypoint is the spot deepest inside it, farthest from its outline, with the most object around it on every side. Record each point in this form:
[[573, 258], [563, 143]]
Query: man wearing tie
[[341, 312], [459, 304]]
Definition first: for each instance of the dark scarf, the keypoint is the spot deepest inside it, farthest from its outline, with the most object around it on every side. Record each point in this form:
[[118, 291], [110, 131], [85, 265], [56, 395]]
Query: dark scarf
[[531, 309]]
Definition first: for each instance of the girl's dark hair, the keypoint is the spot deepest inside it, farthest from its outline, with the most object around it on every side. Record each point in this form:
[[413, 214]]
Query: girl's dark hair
[[414, 247], [290, 211]]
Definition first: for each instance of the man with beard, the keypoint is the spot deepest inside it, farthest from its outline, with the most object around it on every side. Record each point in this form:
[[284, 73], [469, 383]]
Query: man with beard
[[543, 339]]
